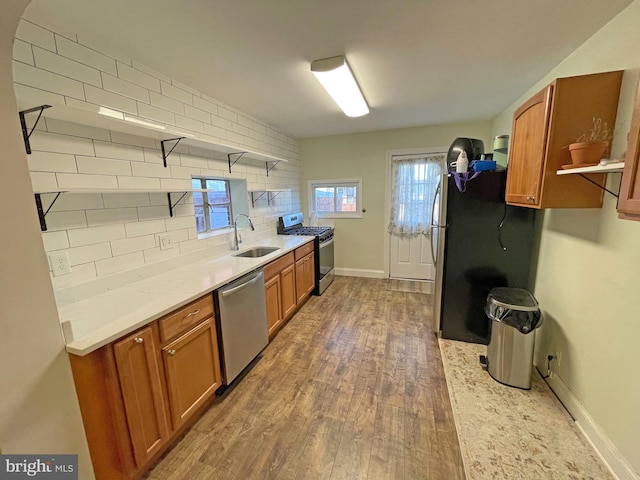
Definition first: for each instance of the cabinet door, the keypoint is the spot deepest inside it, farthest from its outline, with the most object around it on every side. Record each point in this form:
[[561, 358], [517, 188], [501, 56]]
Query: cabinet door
[[288, 290], [310, 272], [272, 290], [301, 280], [527, 153], [629, 201], [140, 381], [193, 370]]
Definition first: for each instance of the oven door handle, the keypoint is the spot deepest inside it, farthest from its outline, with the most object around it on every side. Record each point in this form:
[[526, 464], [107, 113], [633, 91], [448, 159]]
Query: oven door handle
[[326, 244]]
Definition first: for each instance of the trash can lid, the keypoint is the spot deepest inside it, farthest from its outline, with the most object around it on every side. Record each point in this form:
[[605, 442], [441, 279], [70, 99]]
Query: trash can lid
[[513, 298]]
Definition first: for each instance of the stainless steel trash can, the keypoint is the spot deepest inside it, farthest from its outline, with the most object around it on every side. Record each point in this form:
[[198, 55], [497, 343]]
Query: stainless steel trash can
[[514, 315]]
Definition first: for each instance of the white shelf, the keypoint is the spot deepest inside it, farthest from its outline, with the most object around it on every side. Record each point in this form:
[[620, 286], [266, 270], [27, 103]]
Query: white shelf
[[106, 118], [612, 167], [116, 190]]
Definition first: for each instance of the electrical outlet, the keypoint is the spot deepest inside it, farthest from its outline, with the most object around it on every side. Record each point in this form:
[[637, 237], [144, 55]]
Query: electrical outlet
[[60, 264], [166, 241]]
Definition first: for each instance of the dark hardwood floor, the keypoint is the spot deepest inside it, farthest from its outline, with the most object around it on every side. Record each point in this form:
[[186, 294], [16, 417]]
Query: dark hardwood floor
[[351, 388]]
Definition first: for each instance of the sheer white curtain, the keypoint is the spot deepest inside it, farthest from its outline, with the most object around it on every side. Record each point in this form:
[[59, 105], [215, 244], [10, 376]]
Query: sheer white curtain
[[413, 188]]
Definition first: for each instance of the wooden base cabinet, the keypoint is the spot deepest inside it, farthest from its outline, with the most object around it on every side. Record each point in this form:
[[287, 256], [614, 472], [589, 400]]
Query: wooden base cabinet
[[273, 295], [305, 271], [139, 393], [543, 127]]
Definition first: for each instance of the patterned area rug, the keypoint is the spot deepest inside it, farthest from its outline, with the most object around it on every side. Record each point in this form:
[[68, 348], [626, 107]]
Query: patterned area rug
[[508, 433]]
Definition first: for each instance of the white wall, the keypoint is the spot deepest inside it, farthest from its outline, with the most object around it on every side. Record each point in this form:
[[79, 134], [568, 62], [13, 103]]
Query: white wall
[[588, 274], [105, 234], [39, 411], [360, 242]]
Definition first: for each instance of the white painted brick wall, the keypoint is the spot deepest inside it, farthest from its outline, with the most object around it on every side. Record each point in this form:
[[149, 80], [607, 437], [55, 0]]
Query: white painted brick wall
[[108, 233]]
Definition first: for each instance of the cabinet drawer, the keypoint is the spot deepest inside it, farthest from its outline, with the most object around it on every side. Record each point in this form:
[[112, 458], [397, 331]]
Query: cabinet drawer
[[304, 250], [272, 269], [181, 320]]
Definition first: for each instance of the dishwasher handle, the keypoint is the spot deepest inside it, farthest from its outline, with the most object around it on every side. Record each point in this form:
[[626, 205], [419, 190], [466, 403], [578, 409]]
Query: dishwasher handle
[[231, 291]]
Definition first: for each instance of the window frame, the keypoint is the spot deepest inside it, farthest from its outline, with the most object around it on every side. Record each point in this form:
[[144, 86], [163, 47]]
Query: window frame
[[335, 183], [206, 205]]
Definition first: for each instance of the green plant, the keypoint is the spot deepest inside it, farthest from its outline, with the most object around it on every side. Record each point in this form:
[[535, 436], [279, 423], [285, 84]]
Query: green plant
[[599, 132]]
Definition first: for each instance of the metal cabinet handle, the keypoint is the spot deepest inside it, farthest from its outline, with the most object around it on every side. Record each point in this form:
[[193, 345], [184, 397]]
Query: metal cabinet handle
[[171, 353], [191, 314], [138, 340], [531, 199]]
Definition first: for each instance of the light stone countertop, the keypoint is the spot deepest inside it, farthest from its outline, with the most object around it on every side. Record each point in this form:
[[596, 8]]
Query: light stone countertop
[[94, 321]]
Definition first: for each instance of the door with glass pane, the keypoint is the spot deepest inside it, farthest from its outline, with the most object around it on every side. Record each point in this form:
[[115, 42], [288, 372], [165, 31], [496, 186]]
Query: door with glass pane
[[415, 181]]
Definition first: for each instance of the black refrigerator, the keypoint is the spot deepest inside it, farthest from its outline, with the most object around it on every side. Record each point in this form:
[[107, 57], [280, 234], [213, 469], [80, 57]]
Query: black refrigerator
[[487, 244]]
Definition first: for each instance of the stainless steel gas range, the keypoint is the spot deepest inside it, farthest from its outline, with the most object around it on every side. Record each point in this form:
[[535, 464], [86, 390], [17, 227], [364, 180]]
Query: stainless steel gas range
[[291, 224]]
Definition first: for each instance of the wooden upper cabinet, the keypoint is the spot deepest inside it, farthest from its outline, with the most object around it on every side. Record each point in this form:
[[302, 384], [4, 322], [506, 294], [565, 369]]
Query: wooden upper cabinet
[[629, 200], [193, 370], [139, 373], [544, 126], [529, 137]]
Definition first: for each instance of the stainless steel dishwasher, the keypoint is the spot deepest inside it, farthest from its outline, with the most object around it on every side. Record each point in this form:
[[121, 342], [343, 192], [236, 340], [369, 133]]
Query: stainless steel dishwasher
[[243, 322]]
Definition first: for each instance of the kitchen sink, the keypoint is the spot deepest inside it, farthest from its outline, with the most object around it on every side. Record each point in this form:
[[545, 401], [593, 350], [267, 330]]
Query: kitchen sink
[[256, 252]]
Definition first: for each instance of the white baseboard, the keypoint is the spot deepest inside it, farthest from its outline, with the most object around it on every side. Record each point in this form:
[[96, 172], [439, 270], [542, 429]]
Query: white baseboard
[[610, 455], [357, 272]]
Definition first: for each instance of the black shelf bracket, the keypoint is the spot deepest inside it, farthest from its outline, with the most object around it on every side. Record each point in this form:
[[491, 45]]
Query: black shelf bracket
[[239, 156], [271, 168], [26, 134], [166, 154], [598, 185], [173, 205], [42, 213]]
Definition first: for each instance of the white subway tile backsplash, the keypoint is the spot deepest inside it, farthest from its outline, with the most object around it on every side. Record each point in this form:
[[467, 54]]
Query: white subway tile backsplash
[[195, 162], [51, 142], [158, 198], [150, 170], [119, 151], [111, 100], [32, 33], [130, 245], [55, 240], [22, 52], [175, 93], [240, 129], [66, 220], [189, 123], [51, 162], [192, 246], [66, 67], [121, 200], [220, 122], [92, 235], [109, 216], [122, 87], [79, 274], [186, 88], [184, 172], [85, 55], [227, 114], [197, 114], [76, 201], [154, 156], [34, 77], [153, 255], [139, 183], [216, 132], [71, 180], [153, 213], [151, 72], [89, 253], [184, 210], [29, 96], [144, 228], [237, 138], [175, 185], [180, 223], [104, 166], [119, 264], [43, 182], [138, 77], [246, 121], [206, 105], [166, 103], [156, 113]]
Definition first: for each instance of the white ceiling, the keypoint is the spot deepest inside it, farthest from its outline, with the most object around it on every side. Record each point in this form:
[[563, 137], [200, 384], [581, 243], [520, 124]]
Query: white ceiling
[[419, 62]]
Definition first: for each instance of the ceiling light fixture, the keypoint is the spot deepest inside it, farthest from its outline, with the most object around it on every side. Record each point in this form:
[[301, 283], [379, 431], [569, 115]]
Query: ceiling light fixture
[[336, 77]]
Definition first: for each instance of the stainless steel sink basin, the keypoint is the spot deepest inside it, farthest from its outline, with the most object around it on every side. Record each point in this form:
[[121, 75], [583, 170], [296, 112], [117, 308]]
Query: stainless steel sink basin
[[256, 252]]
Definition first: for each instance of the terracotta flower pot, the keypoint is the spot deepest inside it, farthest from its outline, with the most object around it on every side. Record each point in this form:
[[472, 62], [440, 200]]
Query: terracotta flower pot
[[587, 153]]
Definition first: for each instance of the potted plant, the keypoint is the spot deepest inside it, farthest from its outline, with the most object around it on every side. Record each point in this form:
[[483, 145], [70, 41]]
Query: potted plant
[[590, 147]]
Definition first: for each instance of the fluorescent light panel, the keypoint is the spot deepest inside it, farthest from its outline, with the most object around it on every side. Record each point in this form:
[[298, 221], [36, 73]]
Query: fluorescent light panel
[[337, 79]]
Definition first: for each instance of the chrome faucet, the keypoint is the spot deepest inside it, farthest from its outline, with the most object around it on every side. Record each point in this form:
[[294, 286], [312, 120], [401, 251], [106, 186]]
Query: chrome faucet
[[236, 243]]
